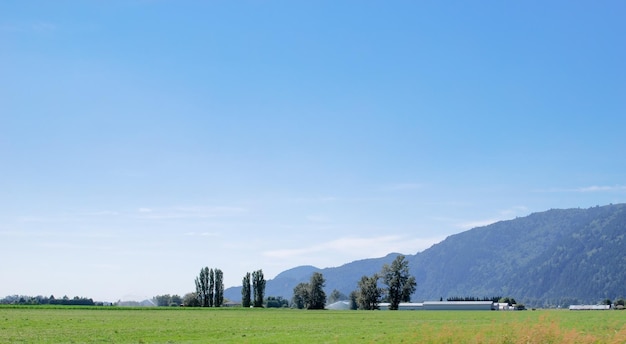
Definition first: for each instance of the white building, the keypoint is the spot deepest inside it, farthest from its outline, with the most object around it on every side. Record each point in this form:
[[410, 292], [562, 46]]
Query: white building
[[458, 305], [503, 306], [442, 306], [589, 307], [403, 306]]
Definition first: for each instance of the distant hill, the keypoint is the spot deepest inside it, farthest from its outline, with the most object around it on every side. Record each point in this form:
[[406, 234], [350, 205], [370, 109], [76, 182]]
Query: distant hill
[[556, 257]]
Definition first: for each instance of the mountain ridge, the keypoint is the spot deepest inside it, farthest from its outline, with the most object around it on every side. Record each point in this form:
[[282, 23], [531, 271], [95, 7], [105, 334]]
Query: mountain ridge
[[554, 257]]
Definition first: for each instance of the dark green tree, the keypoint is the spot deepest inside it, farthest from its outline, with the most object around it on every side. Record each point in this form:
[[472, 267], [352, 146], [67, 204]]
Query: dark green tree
[[258, 283], [353, 303], [211, 287], [245, 291], [300, 297], [162, 300], [191, 300], [203, 291], [317, 296], [176, 300], [276, 302], [400, 283], [219, 288], [369, 294]]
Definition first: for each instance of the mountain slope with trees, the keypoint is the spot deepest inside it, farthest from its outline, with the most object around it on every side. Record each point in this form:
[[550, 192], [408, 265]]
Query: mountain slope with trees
[[556, 257], [553, 257]]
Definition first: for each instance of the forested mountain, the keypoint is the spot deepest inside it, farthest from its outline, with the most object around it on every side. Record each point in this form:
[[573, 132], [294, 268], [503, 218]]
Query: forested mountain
[[556, 257]]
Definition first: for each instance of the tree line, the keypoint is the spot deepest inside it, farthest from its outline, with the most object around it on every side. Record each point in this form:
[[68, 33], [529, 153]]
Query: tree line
[[393, 284], [210, 291], [51, 300], [398, 282], [210, 287], [396, 277], [253, 289]]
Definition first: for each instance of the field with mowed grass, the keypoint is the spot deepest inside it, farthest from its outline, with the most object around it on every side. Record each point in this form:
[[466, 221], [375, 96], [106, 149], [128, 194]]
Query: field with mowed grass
[[228, 325]]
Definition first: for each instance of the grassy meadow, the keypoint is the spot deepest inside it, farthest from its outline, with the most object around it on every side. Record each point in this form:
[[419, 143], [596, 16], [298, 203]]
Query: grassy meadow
[[197, 325]]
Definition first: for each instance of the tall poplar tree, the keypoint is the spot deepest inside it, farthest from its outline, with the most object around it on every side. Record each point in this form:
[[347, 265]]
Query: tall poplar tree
[[245, 291], [219, 288], [211, 287], [203, 292], [258, 283]]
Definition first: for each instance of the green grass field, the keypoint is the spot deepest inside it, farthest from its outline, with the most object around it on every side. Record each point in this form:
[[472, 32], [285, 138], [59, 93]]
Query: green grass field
[[187, 325]]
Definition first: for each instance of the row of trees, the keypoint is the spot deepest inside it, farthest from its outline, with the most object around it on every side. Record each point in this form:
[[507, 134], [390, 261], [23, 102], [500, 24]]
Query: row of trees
[[276, 302], [399, 286], [396, 277], [168, 300], [210, 291], [255, 286], [210, 287], [43, 300]]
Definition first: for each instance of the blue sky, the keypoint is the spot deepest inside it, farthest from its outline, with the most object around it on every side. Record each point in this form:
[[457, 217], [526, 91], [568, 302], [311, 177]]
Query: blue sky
[[143, 140]]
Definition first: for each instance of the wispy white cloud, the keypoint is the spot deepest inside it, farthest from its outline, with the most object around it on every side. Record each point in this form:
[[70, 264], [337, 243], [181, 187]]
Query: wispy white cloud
[[587, 189], [202, 234], [318, 218], [476, 223], [68, 217], [314, 199], [99, 234], [403, 186], [356, 248], [59, 245], [105, 266], [197, 212], [596, 188], [514, 211], [505, 214], [103, 213], [15, 233], [334, 199], [50, 219]]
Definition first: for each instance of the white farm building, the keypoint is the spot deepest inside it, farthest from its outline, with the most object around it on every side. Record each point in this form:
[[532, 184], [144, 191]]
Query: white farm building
[[458, 305], [403, 306], [589, 307], [442, 306]]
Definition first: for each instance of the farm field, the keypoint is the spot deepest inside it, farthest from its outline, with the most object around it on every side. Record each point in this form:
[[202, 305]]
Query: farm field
[[198, 325]]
